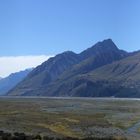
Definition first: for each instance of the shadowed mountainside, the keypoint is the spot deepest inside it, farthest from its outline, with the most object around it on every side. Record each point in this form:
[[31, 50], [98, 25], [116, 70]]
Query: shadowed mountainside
[[119, 79], [67, 66]]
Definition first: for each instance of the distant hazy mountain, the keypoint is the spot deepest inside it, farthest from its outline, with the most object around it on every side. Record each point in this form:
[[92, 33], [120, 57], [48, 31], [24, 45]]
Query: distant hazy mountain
[[9, 82], [56, 77]]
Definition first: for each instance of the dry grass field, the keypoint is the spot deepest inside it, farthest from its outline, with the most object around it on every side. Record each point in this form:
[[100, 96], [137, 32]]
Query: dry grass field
[[71, 117]]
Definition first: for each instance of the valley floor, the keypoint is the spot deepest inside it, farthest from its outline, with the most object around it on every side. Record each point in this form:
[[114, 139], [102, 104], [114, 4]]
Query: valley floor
[[71, 117]]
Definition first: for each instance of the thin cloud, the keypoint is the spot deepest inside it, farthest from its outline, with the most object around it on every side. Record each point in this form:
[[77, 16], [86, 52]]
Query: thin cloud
[[11, 64]]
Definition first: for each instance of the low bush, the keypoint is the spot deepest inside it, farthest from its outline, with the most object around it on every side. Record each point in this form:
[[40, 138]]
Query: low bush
[[22, 136]]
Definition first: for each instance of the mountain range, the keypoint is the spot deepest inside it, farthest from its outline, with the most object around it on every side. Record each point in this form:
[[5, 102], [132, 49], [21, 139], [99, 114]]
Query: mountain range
[[102, 70], [12, 80]]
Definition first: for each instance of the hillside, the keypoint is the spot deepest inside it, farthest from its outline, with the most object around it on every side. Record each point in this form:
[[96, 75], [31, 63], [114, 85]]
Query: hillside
[[119, 79], [67, 66], [46, 73]]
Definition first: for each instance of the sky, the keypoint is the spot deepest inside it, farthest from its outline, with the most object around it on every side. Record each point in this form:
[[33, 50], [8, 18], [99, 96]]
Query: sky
[[12, 64], [34, 28]]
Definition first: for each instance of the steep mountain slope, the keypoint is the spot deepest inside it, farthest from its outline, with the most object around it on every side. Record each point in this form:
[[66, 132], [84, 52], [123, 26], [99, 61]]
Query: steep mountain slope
[[9, 82], [46, 73], [67, 65], [119, 79], [101, 48]]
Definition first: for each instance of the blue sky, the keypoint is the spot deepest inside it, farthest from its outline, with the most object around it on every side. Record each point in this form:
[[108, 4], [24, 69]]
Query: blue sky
[[40, 28], [36, 27]]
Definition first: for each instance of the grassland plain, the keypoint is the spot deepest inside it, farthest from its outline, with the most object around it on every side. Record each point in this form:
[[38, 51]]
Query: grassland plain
[[71, 117]]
